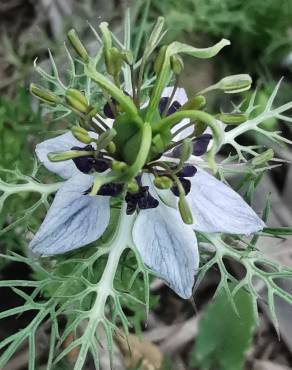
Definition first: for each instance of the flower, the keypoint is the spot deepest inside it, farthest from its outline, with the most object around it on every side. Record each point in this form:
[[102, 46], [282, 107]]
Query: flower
[[166, 244]]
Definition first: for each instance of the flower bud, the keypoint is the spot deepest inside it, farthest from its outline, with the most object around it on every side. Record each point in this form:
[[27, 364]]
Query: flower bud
[[69, 154], [81, 134], [44, 94], [163, 182], [263, 157], [159, 59], [113, 61], [186, 149], [127, 56], [235, 83], [105, 138], [184, 210], [177, 64], [198, 102], [111, 148], [77, 45], [232, 118], [77, 100], [119, 166]]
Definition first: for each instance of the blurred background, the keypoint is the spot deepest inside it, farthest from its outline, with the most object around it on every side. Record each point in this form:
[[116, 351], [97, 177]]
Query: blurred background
[[178, 335]]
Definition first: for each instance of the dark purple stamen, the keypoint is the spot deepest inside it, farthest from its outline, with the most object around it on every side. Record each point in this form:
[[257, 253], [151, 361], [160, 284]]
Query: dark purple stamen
[[110, 189], [88, 163], [186, 184], [187, 171], [107, 109], [172, 108], [141, 200], [200, 144]]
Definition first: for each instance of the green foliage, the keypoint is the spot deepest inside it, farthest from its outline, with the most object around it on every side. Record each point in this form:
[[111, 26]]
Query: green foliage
[[89, 289], [261, 29], [18, 122], [225, 334]]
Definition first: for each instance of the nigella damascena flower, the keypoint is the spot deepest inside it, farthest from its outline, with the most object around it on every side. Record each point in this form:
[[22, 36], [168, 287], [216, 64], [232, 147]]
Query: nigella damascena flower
[[165, 242]]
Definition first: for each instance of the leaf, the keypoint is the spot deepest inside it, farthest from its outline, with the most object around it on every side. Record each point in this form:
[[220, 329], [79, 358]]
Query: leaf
[[281, 231], [202, 53], [225, 336]]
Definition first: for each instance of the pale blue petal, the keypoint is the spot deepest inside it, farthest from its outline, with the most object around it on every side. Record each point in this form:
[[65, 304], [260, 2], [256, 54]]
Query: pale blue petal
[[218, 208], [73, 220], [180, 96], [65, 169], [168, 247]]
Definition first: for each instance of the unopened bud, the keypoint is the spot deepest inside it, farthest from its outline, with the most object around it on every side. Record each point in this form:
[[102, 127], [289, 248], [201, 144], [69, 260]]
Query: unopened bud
[[127, 56], [198, 102], [177, 64], [113, 61], [184, 210], [44, 94], [77, 45], [133, 187], [81, 134], [263, 157], [119, 166], [111, 148], [105, 138], [235, 83], [186, 149], [159, 59], [232, 118], [77, 100], [69, 154], [163, 182]]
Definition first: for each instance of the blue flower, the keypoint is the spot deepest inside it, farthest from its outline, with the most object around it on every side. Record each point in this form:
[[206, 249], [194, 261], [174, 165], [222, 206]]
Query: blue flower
[[166, 244]]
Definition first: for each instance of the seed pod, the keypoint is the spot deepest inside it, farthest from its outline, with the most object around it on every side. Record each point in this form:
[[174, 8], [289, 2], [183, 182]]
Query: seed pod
[[77, 45], [44, 94]]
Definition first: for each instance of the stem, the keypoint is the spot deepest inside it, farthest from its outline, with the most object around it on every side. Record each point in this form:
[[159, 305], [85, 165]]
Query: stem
[[125, 102], [168, 122], [33, 187], [105, 287], [142, 154]]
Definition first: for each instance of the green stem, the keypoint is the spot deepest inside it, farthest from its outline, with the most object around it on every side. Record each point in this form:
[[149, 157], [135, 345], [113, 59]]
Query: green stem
[[143, 153], [125, 102], [158, 87], [168, 122]]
